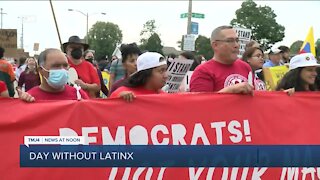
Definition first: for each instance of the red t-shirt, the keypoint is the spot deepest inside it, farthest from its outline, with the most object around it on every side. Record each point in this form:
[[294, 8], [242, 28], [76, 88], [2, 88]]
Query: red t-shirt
[[69, 93], [213, 76], [86, 72], [3, 86], [136, 91]]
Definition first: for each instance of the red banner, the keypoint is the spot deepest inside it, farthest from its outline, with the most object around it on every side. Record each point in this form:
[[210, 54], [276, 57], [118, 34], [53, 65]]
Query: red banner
[[263, 119]]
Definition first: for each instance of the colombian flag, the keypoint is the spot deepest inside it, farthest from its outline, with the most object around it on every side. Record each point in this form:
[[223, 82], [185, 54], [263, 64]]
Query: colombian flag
[[308, 44]]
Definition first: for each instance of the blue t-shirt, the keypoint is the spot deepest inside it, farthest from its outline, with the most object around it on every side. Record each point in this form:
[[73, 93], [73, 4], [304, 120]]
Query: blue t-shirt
[[269, 63]]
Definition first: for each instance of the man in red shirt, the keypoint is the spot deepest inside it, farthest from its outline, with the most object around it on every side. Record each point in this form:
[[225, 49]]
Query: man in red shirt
[[224, 72], [6, 73], [53, 69], [88, 77]]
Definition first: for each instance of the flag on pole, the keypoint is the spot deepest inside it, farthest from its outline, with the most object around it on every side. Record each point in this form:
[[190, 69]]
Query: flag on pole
[[308, 44]]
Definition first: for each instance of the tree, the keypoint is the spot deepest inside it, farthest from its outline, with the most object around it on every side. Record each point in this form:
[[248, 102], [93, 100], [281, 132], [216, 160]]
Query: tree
[[261, 20], [150, 39], [295, 47], [103, 38], [149, 28], [153, 44], [203, 47]]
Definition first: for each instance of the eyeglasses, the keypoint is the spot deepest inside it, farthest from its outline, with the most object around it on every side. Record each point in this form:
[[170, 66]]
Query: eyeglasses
[[258, 57], [229, 40]]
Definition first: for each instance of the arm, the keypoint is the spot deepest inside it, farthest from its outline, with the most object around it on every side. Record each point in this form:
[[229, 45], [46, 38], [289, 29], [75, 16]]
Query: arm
[[240, 88], [4, 93], [11, 72], [3, 90], [124, 94], [92, 87], [24, 96]]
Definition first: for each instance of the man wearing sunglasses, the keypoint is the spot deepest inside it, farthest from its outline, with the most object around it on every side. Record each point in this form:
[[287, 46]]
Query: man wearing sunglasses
[[224, 73]]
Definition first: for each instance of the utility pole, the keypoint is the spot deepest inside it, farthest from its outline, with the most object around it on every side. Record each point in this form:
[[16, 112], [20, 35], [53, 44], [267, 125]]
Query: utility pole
[[2, 13], [21, 38], [87, 38], [189, 17], [87, 17]]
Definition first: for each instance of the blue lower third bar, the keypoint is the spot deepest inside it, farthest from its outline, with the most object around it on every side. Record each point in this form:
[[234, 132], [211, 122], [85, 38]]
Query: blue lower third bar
[[169, 156]]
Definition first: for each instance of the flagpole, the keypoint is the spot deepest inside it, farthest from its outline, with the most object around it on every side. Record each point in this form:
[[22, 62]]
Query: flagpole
[[55, 21]]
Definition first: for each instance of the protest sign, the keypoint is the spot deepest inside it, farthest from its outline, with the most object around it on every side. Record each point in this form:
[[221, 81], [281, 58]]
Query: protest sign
[[176, 73], [244, 36], [8, 40], [273, 75]]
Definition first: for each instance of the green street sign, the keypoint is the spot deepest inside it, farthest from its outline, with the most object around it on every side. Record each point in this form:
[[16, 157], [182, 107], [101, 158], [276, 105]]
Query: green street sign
[[184, 15], [194, 15], [198, 15]]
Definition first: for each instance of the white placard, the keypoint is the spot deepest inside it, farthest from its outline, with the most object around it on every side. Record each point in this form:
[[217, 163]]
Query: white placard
[[189, 42], [176, 73], [244, 36]]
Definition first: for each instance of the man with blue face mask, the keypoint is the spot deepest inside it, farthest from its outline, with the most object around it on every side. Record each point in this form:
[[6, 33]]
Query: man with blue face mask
[[53, 67]]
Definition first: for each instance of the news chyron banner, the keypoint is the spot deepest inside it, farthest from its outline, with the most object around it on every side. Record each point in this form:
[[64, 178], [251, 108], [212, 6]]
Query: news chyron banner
[[269, 135]]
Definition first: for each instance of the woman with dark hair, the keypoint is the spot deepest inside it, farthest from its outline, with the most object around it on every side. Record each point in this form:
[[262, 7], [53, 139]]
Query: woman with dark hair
[[30, 77], [149, 79], [302, 74], [129, 53], [254, 57]]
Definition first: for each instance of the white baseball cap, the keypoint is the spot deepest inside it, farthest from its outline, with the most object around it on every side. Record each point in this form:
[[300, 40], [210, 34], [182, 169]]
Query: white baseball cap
[[303, 60], [274, 50], [150, 60]]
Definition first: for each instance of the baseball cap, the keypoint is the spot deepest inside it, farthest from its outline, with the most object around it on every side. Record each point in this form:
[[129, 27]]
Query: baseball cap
[[149, 60], [274, 50], [303, 60]]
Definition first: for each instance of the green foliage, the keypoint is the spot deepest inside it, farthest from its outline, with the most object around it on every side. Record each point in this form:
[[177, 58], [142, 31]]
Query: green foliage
[[103, 38], [261, 20], [203, 47], [295, 47], [150, 39]]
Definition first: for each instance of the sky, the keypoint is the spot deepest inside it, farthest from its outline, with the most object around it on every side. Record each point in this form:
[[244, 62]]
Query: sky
[[39, 27]]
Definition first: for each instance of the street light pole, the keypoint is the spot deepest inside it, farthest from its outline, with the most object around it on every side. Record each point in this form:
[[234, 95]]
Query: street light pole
[[189, 17], [21, 38], [1, 13], [87, 17]]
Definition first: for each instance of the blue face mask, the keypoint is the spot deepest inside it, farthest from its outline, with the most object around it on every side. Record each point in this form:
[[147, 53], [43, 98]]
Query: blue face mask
[[58, 78]]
